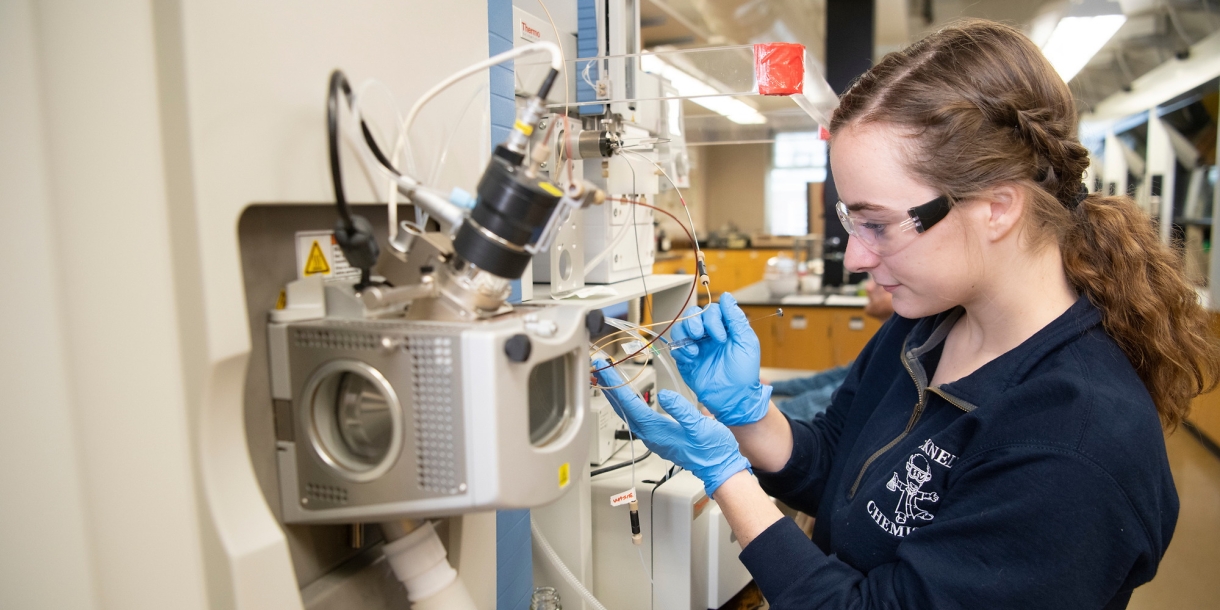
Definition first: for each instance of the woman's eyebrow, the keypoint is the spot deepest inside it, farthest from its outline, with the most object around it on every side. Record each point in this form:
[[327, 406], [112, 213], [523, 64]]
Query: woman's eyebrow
[[865, 207]]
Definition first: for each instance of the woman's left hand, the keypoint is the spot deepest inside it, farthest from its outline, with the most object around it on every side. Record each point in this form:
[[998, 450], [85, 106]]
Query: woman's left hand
[[691, 440]]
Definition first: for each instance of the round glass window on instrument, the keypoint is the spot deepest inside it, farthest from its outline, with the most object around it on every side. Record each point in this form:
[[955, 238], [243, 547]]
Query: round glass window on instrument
[[355, 419], [363, 417]]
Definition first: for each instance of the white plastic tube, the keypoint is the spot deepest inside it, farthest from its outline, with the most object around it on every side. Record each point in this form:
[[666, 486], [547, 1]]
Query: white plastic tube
[[529, 49], [567, 574], [404, 134], [420, 562]]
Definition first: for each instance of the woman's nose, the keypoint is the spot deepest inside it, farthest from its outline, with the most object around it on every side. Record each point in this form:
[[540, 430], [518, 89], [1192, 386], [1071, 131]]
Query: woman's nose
[[858, 258]]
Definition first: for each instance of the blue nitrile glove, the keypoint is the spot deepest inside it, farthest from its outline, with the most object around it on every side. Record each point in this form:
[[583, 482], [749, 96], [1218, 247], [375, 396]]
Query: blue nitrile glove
[[722, 368], [691, 440]]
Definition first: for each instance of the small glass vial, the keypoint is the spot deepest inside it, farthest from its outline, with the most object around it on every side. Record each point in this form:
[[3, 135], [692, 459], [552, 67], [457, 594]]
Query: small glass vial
[[545, 598]]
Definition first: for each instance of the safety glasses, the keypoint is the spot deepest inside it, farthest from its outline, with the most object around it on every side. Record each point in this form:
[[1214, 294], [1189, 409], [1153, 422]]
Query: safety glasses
[[885, 236]]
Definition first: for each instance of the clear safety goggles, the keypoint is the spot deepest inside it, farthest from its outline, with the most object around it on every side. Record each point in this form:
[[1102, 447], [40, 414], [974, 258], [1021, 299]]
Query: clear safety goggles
[[885, 233]]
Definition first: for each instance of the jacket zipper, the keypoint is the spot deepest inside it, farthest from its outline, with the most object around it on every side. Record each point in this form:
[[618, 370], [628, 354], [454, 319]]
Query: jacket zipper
[[953, 401], [915, 415]]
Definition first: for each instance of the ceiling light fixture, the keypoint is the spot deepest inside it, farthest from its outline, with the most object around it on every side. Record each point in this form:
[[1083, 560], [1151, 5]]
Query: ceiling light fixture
[[1081, 33], [702, 93]]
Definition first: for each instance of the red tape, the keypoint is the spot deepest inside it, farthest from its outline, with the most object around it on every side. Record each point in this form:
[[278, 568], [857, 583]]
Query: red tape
[[779, 68]]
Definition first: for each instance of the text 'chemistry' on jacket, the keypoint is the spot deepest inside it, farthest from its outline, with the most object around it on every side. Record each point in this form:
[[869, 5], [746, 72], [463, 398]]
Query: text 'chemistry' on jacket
[[1038, 481]]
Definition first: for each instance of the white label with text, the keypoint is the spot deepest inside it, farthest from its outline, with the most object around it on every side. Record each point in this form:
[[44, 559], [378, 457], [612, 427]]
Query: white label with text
[[626, 497]]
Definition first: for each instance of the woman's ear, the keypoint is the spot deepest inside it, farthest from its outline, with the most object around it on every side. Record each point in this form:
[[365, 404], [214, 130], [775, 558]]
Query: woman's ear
[[1005, 206]]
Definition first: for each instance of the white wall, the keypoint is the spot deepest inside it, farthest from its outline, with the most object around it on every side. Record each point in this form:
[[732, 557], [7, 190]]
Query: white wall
[[133, 136], [44, 545], [109, 301], [736, 182]]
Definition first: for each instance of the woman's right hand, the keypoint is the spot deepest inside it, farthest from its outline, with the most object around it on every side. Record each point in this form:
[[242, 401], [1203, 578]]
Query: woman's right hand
[[691, 440], [722, 367]]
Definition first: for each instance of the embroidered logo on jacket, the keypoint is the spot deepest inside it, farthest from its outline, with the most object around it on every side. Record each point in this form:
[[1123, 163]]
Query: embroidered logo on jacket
[[909, 495], [913, 502]]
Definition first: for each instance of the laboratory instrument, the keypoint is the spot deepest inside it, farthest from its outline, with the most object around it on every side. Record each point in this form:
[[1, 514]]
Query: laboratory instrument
[[390, 414], [689, 553]]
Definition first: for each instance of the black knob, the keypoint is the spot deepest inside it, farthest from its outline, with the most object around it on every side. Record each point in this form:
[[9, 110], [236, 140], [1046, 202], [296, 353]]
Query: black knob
[[518, 348], [595, 322]]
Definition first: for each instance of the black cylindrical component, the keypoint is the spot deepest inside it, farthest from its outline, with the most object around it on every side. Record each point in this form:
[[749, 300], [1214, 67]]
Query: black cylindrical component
[[511, 210], [595, 322], [488, 255], [513, 157], [593, 144], [547, 83], [635, 522]]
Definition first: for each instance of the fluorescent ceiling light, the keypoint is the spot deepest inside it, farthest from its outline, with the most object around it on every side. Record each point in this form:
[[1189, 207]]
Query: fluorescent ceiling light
[[1083, 31], [702, 93]]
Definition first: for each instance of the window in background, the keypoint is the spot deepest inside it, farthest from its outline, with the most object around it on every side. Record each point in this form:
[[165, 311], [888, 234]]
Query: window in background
[[797, 159]]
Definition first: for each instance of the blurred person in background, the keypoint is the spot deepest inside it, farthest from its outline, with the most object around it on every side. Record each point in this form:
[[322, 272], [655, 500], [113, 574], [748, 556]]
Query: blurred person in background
[[805, 397]]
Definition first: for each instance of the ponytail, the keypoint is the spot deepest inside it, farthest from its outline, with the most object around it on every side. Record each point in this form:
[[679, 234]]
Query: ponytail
[[1112, 253]]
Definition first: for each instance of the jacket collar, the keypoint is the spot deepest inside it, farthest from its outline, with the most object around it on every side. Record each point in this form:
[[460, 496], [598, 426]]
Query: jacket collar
[[1001, 373]]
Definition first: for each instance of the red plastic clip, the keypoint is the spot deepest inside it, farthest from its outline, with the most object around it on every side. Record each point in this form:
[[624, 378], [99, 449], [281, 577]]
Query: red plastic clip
[[779, 68]]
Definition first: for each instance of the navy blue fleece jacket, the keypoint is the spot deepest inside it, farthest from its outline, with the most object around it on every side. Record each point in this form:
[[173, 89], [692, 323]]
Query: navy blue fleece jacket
[[1038, 481]]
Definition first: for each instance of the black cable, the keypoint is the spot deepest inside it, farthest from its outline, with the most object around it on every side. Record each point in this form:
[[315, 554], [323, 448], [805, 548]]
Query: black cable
[[381, 158], [625, 464], [353, 233], [547, 83], [338, 82]]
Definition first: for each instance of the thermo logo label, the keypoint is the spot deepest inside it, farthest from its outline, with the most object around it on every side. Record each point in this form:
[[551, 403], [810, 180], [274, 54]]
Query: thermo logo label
[[529, 33], [564, 475]]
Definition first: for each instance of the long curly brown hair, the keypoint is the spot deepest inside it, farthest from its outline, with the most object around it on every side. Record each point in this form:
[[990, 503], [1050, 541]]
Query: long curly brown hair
[[983, 107]]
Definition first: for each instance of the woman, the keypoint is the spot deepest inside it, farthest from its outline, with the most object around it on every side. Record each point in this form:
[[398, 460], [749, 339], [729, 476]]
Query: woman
[[998, 444]]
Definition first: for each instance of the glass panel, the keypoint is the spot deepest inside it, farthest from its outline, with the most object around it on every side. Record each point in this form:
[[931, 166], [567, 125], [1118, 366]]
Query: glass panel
[[788, 199], [799, 149], [549, 398]]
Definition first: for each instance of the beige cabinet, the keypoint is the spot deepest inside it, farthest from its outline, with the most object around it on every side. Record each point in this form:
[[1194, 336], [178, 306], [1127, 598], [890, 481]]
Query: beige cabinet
[[811, 338], [729, 270]]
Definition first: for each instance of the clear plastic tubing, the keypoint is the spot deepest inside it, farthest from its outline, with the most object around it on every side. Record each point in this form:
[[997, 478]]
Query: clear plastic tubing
[[662, 355], [563, 568]]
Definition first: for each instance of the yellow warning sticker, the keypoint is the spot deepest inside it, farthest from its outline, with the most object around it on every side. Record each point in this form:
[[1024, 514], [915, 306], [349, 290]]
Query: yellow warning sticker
[[282, 302], [565, 475], [550, 188], [318, 254], [316, 262]]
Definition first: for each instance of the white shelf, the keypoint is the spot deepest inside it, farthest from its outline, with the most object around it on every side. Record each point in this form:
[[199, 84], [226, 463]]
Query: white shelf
[[624, 291]]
